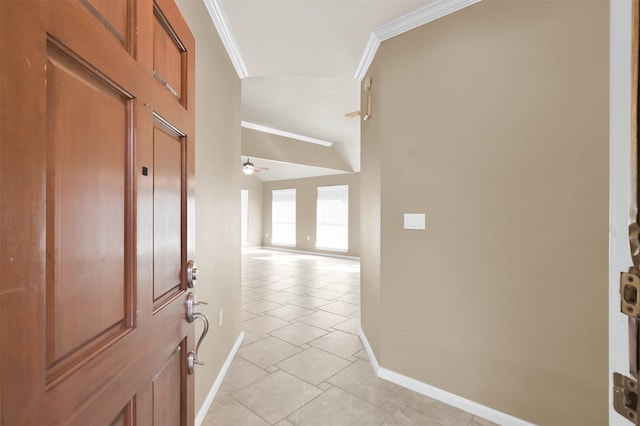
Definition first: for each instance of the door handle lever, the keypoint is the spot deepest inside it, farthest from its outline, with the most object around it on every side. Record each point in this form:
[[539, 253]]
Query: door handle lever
[[191, 307], [192, 357]]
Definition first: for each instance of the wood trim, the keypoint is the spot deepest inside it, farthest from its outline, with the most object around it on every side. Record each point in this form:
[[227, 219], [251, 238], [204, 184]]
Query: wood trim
[[22, 170]]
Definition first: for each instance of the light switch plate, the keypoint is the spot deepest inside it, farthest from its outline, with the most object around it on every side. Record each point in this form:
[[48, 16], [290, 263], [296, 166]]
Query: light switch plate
[[415, 221]]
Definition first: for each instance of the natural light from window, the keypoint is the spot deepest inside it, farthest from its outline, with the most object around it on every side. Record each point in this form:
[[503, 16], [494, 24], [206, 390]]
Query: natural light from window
[[244, 210], [332, 223], [283, 217]]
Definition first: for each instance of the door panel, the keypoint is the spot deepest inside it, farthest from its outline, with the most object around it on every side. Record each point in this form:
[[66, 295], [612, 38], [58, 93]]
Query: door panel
[[88, 276], [116, 17], [167, 212], [167, 397], [168, 55], [94, 246]]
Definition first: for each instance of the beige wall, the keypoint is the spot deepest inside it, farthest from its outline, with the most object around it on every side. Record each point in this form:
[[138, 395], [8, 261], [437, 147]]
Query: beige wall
[[279, 148], [217, 194], [306, 197], [494, 122], [255, 188]]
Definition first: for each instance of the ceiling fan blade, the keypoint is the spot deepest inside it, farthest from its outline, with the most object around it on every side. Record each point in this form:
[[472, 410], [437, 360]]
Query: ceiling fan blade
[[260, 169]]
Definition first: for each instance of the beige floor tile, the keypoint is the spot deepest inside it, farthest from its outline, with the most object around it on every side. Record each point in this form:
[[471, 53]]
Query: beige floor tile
[[246, 299], [350, 298], [298, 333], [360, 380], [289, 312], [276, 396], [247, 315], [281, 297], [351, 326], [337, 407], [256, 292], [309, 302], [279, 286], [341, 308], [268, 352], [431, 408], [249, 338], [259, 306], [263, 324], [406, 417], [231, 415], [342, 288], [300, 290], [313, 365], [323, 293], [322, 319], [240, 374], [362, 354], [324, 386], [312, 335], [338, 343], [478, 421]]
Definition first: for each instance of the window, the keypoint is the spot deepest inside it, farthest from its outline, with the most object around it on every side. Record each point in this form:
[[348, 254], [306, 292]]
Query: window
[[283, 217], [332, 228], [244, 218]]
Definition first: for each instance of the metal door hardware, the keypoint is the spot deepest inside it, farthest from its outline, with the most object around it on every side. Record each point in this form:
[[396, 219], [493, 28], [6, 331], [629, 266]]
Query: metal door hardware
[[192, 273], [191, 307], [629, 293], [625, 397], [192, 357]]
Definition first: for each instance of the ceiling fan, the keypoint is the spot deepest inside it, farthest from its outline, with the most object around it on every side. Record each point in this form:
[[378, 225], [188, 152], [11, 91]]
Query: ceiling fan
[[248, 168]]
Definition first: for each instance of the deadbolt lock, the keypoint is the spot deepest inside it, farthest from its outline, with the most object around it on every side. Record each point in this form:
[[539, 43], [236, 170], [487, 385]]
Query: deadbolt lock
[[192, 273]]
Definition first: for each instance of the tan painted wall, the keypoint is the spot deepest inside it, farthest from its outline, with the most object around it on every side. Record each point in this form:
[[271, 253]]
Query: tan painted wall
[[255, 188], [494, 122], [217, 194], [306, 198], [370, 222]]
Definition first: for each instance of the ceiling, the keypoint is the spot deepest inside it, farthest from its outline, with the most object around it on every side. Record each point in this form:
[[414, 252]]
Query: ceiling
[[298, 59]]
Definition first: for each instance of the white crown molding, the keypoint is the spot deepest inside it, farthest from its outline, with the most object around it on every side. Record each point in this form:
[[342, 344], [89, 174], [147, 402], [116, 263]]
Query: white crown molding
[[424, 15], [221, 22], [271, 130], [367, 56]]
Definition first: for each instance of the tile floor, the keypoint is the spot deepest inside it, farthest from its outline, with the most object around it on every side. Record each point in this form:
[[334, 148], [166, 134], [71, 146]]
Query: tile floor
[[302, 362]]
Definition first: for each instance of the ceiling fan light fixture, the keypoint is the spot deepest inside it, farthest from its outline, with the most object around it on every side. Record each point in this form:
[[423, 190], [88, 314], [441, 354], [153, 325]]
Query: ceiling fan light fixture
[[247, 168]]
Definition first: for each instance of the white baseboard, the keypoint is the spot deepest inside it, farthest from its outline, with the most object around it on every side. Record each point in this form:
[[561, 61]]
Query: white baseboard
[[369, 351], [439, 394], [313, 253], [202, 412]]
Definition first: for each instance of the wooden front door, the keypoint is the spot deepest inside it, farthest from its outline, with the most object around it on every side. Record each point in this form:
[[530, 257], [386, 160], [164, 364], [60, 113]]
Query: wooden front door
[[96, 226]]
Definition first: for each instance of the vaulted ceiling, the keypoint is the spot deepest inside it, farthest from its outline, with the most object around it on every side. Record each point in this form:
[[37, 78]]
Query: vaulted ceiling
[[300, 62]]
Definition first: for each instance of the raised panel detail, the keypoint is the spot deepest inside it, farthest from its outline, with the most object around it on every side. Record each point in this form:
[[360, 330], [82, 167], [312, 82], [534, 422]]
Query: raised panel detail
[[167, 397], [126, 416], [169, 56], [113, 15], [89, 252], [168, 224]]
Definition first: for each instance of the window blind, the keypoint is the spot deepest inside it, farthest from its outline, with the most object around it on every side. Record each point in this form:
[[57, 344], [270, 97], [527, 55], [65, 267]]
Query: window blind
[[332, 220], [283, 217]]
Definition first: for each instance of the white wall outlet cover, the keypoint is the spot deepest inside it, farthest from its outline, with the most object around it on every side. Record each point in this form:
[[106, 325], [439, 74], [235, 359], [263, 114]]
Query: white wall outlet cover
[[415, 221]]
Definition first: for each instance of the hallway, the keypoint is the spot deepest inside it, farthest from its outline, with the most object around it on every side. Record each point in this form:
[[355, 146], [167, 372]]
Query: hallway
[[302, 362]]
